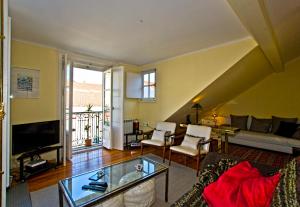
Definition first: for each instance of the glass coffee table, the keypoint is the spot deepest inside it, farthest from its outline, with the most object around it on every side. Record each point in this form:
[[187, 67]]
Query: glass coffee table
[[70, 189]]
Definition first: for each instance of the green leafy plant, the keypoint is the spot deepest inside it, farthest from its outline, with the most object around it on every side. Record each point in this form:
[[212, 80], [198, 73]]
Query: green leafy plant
[[88, 126]]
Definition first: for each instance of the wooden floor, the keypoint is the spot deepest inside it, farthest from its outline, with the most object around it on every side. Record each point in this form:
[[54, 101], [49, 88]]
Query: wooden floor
[[92, 160], [95, 159]]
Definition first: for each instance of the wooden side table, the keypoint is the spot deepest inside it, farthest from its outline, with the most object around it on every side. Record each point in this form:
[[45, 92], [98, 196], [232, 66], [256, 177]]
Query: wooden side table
[[228, 131], [136, 133]]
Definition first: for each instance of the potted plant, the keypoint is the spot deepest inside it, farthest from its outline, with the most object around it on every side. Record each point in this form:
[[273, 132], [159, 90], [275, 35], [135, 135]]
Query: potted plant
[[88, 140]]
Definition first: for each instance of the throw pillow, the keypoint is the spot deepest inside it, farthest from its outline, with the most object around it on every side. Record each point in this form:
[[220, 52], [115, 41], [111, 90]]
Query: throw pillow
[[286, 129], [191, 141], [258, 191], [296, 135], [239, 121], [241, 185], [260, 125], [158, 135], [276, 122]]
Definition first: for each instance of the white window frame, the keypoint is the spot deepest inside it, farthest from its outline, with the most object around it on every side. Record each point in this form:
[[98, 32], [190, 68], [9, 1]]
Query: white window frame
[[143, 86]]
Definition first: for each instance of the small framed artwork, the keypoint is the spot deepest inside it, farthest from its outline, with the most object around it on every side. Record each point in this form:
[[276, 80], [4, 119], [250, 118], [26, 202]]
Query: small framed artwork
[[25, 83]]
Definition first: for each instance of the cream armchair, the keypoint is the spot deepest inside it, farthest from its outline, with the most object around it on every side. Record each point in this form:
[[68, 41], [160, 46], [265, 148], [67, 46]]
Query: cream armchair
[[196, 142], [161, 136]]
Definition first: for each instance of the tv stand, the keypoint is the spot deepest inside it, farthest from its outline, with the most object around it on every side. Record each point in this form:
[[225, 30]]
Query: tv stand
[[24, 174]]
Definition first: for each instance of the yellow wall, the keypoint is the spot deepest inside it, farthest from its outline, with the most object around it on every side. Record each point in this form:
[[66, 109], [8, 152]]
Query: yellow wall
[[30, 56], [46, 107], [278, 94], [180, 79], [130, 105]]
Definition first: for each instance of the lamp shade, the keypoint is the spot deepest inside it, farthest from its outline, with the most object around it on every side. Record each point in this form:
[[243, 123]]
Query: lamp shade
[[196, 106]]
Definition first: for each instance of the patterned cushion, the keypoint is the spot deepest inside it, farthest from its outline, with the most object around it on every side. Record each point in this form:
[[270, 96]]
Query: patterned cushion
[[208, 175], [286, 191]]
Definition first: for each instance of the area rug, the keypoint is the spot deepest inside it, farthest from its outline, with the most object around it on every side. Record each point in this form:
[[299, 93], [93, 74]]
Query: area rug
[[18, 196], [266, 157], [181, 179]]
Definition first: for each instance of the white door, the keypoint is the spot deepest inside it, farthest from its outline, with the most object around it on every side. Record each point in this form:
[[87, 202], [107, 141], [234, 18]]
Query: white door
[[117, 107], [107, 108], [113, 87]]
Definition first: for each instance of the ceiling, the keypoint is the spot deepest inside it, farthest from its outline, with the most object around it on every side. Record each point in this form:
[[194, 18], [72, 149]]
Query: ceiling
[[285, 19], [131, 31]]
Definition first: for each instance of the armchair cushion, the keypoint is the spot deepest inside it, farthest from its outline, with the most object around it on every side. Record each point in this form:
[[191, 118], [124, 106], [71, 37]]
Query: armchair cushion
[[166, 126], [155, 142], [158, 135], [197, 133], [191, 141], [187, 150]]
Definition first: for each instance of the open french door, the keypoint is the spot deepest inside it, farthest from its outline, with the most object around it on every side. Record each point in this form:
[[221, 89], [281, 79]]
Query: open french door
[[4, 100], [107, 108], [113, 90], [67, 110]]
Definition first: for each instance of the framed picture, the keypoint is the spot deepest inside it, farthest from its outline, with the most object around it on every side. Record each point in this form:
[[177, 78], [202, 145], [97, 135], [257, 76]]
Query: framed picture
[[25, 83]]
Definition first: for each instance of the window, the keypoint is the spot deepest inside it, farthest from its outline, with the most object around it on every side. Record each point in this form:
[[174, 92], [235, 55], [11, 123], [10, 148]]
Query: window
[[149, 84]]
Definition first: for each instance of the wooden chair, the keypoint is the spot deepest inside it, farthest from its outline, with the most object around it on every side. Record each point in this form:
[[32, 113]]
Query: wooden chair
[[160, 136], [196, 142]]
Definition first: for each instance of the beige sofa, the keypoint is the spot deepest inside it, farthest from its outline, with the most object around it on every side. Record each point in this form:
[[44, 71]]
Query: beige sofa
[[267, 141]]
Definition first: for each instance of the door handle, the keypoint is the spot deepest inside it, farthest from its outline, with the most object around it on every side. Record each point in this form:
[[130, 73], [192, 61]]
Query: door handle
[[2, 172]]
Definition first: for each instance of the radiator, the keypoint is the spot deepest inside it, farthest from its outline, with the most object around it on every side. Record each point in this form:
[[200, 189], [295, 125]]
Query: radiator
[[128, 126]]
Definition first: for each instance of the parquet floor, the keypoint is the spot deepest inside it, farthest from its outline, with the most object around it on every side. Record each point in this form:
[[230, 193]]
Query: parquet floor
[[84, 162], [92, 160], [95, 159]]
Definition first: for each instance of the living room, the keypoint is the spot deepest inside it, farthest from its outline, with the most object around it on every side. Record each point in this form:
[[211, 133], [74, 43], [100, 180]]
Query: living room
[[242, 59]]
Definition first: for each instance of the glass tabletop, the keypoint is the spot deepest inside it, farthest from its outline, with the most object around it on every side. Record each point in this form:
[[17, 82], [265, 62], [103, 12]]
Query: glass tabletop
[[118, 176]]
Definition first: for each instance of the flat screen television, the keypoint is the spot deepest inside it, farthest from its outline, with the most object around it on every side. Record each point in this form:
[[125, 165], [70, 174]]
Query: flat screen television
[[31, 136]]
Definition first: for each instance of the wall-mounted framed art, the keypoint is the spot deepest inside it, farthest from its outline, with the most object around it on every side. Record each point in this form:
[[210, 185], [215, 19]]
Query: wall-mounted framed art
[[25, 83]]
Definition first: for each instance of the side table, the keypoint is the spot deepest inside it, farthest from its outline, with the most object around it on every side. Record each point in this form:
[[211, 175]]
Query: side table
[[228, 131], [136, 133]]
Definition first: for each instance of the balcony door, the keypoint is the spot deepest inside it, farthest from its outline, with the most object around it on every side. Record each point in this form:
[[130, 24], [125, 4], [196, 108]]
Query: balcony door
[[2, 196], [83, 107], [4, 100], [113, 96], [85, 116]]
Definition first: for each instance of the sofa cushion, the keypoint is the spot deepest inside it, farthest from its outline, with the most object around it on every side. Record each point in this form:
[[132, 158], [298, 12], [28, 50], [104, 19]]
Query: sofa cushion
[[286, 129], [296, 135], [293, 142], [265, 138], [260, 137], [276, 122], [260, 125], [239, 121]]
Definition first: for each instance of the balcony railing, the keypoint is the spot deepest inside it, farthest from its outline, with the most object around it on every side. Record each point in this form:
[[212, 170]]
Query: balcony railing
[[79, 123]]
